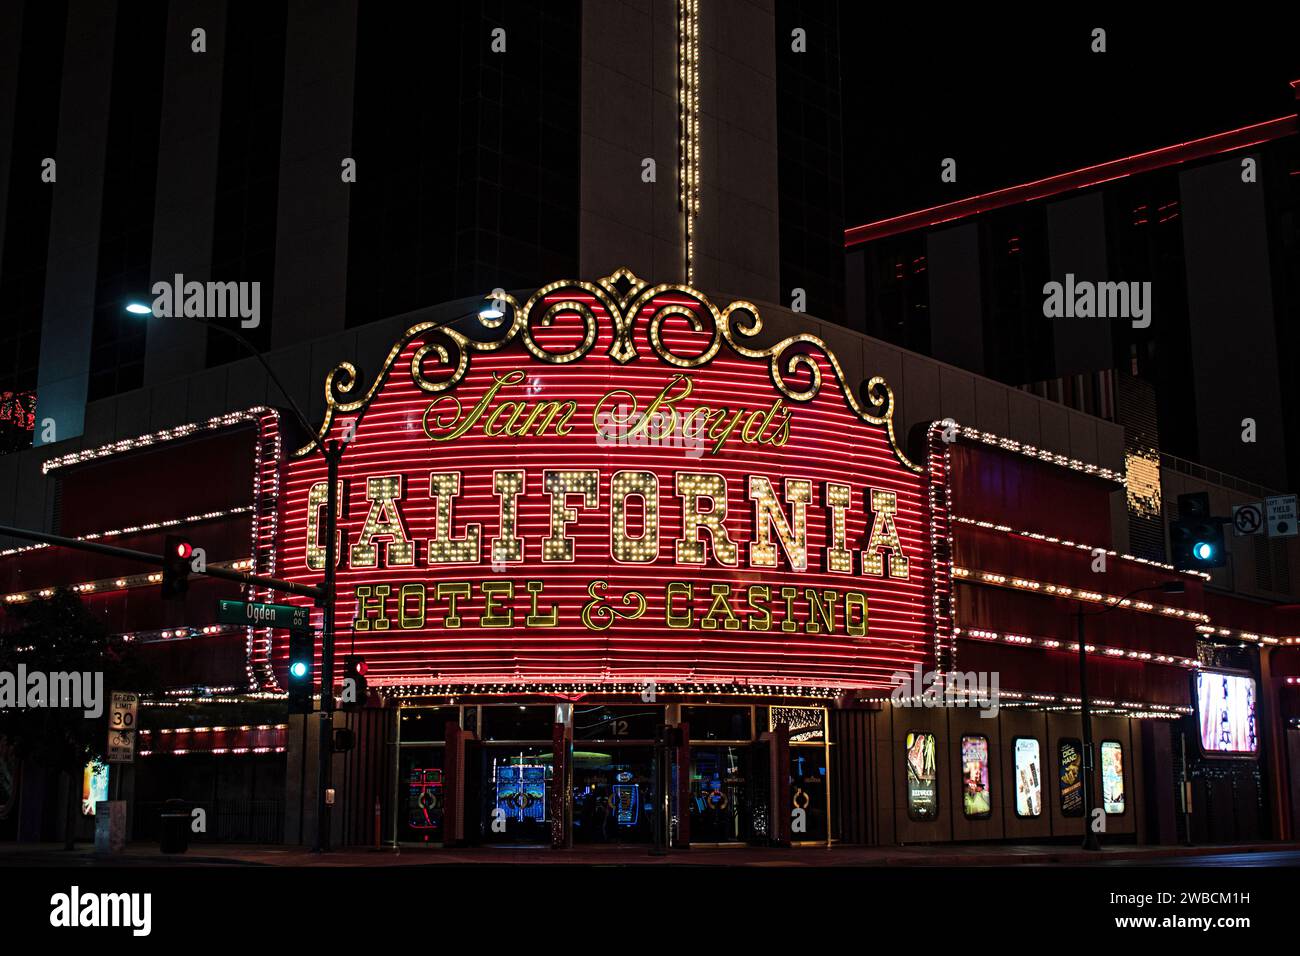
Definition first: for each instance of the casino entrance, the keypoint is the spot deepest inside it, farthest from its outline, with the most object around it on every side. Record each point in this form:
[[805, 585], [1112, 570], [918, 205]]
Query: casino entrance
[[593, 774]]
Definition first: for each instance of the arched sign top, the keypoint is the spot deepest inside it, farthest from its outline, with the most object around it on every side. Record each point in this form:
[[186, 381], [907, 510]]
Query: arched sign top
[[624, 302]]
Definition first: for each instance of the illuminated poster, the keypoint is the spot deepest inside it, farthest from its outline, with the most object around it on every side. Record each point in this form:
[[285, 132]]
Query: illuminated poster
[[1029, 784], [1226, 708], [1071, 776], [922, 792], [975, 800], [424, 801], [521, 792], [1112, 777], [94, 786]]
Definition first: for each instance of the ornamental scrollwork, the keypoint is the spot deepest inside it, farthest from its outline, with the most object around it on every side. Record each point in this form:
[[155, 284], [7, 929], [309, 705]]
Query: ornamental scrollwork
[[445, 352]]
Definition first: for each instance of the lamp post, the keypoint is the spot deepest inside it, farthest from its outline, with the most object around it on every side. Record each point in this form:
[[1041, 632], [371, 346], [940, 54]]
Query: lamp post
[[1090, 840], [332, 451]]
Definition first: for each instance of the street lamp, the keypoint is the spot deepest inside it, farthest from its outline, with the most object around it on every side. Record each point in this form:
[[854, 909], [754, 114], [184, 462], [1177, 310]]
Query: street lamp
[[1090, 841], [490, 315]]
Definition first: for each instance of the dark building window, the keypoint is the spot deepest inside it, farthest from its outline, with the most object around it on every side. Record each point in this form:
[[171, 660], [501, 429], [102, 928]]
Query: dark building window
[[1280, 167], [810, 160], [896, 291], [130, 180], [27, 209], [1145, 244], [248, 166], [1018, 343], [467, 160]]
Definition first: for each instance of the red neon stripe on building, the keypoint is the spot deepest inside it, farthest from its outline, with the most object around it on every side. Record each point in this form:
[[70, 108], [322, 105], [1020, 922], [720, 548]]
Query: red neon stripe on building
[[1076, 179]]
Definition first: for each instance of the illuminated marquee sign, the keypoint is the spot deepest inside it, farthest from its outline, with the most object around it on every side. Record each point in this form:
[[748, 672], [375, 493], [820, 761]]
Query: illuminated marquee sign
[[612, 484]]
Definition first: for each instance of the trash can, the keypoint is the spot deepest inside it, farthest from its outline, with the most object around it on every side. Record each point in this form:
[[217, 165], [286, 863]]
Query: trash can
[[175, 827]]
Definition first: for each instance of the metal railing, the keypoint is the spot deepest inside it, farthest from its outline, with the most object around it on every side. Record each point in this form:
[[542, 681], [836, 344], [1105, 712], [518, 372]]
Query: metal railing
[[1214, 476]]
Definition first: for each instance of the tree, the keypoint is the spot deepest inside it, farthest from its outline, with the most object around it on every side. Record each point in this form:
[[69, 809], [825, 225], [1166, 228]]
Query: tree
[[60, 635]]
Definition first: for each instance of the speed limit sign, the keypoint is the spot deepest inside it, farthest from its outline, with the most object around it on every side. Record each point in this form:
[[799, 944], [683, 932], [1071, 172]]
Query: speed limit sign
[[121, 727]]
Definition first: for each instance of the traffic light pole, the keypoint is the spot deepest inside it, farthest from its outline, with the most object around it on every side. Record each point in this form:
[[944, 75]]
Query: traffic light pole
[[225, 574], [325, 758], [323, 594]]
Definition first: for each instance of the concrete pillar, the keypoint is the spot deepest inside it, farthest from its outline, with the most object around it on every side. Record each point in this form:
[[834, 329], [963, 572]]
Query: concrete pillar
[[64, 376], [185, 203]]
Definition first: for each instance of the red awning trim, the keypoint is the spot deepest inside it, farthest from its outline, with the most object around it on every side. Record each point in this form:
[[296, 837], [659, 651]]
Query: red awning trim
[[1212, 632], [1099, 707], [125, 582], [997, 579], [139, 529], [1015, 639], [1065, 543], [178, 741], [1076, 179], [215, 423], [1030, 451]]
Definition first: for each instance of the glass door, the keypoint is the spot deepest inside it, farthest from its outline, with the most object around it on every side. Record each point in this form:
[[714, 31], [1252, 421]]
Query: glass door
[[719, 802], [613, 795]]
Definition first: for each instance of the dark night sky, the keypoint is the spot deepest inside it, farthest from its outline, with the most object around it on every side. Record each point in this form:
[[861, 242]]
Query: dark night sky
[[1013, 101]]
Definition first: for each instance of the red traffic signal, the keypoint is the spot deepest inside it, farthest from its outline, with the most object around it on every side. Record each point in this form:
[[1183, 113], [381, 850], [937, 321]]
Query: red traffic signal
[[177, 552], [355, 687]]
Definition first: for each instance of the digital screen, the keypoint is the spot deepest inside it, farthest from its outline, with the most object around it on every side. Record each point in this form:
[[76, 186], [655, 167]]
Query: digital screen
[[1112, 777], [94, 786], [975, 801], [922, 791], [1029, 782], [1071, 770], [1225, 704], [627, 804]]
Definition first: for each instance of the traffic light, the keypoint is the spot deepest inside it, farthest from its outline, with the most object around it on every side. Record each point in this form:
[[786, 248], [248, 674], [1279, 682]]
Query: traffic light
[[177, 554], [1196, 538], [301, 668], [354, 683]]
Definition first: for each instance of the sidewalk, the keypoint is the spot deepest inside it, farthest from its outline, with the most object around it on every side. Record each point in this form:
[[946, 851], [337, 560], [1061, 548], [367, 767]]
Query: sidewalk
[[147, 854]]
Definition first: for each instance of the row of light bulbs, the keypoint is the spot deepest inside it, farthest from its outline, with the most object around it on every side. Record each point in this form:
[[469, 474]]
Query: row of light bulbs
[[1024, 640], [1081, 594], [154, 438], [1067, 543], [103, 585]]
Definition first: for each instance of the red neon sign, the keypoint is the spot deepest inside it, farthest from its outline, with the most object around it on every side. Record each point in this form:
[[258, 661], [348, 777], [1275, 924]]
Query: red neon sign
[[612, 485]]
